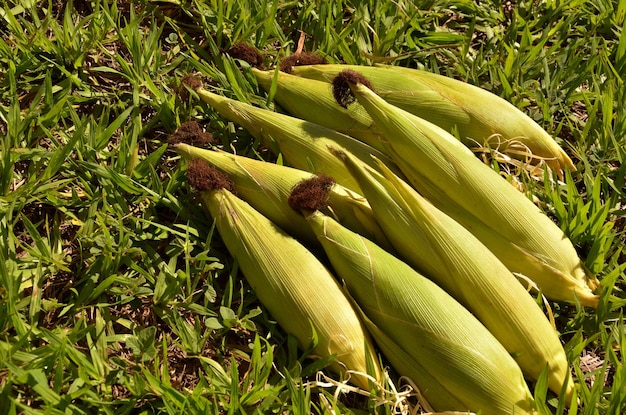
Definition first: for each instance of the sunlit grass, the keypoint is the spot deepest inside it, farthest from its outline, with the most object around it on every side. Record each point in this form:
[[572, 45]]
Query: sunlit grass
[[116, 294]]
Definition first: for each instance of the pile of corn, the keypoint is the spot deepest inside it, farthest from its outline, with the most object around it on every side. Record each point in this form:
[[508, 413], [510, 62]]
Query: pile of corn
[[429, 250]]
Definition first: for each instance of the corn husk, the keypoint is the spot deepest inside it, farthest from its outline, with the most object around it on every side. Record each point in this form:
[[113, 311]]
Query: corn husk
[[312, 100], [479, 116], [304, 145], [294, 286], [456, 182], [267, 186], [428, 336], [435, 244]]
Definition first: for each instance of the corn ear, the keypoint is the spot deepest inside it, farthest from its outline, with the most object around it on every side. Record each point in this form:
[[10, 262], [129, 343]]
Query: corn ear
[[298, 291], [435, 244], [491, 117], [267, 186], [312, 100], [453, 359], [304, 145], [478, 115], [454, 180]]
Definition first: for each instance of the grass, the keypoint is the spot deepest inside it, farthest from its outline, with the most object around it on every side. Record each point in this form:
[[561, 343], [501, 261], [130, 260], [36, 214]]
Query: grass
[[117, 296]]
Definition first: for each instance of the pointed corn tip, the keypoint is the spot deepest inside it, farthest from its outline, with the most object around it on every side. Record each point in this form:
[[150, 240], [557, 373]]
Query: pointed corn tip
[[587, 299], [565, 162], [184, 150]]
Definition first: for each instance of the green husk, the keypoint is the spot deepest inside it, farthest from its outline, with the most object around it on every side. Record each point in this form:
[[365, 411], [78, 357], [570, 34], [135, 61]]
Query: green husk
[[312, 100], [454, 360], [478, 115], [267, 186], [304, 145], [298, 291], [435, 244], [456, 182]]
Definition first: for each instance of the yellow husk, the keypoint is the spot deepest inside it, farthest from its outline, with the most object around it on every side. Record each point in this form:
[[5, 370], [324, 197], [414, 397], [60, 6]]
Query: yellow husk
[[304, 145], [478, 115], [456, 182], [435, 244], [297, 290], [267, 186], [428, 336]]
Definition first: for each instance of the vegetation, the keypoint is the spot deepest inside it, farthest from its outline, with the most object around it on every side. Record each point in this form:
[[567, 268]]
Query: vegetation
[[117, 295]]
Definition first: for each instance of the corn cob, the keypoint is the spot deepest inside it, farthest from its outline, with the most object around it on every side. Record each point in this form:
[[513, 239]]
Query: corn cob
[[448, 174], [298, 291], [267, 187], [304, 145], [429, 337], [435, 244], [313, 101], [479, 115]]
